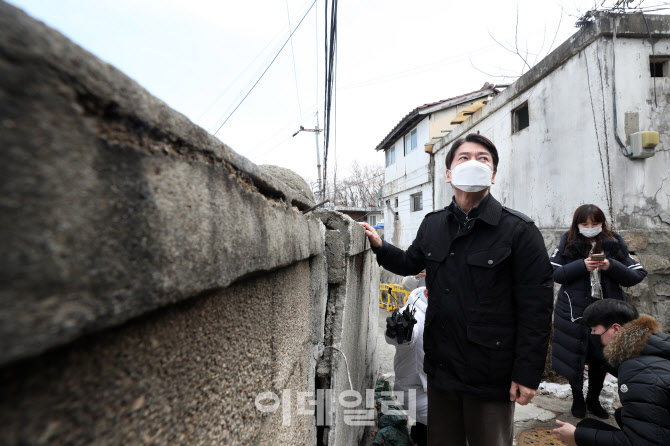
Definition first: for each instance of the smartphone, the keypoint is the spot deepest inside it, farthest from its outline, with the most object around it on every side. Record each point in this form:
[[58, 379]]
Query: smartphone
[[599, 257]]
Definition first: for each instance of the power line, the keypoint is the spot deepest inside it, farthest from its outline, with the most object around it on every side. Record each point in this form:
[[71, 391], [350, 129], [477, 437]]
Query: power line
[[238, 77], [295, 74], [273, 42], [266, 70], [331, 51]]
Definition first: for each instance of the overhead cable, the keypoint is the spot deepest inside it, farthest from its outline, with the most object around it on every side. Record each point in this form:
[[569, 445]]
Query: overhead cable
[[331, 51], [266, 70], [295, 74]]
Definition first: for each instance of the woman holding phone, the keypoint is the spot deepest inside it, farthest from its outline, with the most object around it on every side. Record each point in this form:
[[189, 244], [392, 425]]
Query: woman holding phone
[[591, 263]]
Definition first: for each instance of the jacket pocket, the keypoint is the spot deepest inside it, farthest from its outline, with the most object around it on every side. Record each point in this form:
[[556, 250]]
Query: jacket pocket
[[491, 353], [489, 259], [433, 251], [491, 276]]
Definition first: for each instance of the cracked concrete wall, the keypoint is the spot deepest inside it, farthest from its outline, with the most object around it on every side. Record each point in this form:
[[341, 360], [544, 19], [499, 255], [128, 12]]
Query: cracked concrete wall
[[155, 282], [351, 323], [187, 373]]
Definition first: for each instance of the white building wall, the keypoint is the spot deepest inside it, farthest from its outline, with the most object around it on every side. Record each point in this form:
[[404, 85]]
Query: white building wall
[[408, 175], [642, 187], [550, 168]]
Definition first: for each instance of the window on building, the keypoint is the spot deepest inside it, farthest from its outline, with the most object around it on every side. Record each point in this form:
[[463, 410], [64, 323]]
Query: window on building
[[416, 202], [520, 118], [372, 220], [396, 203], [411, 141], [659, 66], [390, 156]]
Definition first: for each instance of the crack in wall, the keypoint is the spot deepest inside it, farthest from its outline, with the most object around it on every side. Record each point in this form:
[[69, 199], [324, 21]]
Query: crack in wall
[[119, 128]]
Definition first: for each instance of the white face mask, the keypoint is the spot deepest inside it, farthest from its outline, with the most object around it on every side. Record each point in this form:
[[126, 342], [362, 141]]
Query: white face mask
[[590, 232], [471, 176]]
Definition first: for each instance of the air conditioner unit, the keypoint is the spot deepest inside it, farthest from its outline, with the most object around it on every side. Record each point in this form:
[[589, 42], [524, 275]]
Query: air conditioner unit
[[643, 144]]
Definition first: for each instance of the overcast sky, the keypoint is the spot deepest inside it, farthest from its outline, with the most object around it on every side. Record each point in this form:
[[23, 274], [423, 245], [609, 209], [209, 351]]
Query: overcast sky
[[201, 57]]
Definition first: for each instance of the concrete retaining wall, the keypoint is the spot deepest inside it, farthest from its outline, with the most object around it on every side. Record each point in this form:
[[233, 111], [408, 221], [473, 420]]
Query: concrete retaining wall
[[154, 282]]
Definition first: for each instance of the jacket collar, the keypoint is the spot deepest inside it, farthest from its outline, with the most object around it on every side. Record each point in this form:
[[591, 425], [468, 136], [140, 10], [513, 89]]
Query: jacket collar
[[489, 210], [609, 246], [492, 211], [631, 340]]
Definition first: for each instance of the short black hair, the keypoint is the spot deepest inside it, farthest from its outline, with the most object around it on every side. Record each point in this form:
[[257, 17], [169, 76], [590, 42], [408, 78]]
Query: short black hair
[[606, 312], [479, 139]]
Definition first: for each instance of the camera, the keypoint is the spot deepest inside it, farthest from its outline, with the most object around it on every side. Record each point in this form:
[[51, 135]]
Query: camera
[[400, 325]]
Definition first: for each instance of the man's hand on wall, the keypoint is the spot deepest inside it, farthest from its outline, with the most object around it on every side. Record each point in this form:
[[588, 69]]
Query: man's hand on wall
[[375, 239], [521, 394]]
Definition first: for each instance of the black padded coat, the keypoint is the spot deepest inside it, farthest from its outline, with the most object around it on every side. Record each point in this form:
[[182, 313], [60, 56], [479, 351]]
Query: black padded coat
[[489, 299], [571, 338], [641, 352]]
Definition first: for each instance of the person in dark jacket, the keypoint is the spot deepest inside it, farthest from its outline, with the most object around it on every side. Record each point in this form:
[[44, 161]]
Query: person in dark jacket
[[489, 317], [586, 277], [640, 353]]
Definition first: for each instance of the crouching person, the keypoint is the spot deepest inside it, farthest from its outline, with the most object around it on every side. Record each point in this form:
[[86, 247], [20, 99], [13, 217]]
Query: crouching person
[[408, 365], [639, 353]]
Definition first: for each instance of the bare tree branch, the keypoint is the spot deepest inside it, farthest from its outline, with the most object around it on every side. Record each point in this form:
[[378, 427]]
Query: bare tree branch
[[360, 188], [516, 40], [560, 20], [544, 36], [496, 41], [491, 75]]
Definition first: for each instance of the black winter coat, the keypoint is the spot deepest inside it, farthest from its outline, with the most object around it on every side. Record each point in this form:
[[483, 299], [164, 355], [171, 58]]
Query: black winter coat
[[641, 352], [571, 338], [489, 299]]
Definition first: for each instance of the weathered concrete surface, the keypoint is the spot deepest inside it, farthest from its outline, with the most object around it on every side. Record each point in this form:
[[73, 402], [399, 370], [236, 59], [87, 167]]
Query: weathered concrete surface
[[154, 282], [294, 187], [185, 374], [112, 204], [351, 323]]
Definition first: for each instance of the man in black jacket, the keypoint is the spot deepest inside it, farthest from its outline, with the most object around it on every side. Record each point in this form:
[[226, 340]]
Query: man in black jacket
[[489, 317], [639, 353]]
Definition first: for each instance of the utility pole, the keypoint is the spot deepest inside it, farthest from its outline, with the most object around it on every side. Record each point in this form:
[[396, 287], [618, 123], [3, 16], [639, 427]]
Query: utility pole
[[316, 131]]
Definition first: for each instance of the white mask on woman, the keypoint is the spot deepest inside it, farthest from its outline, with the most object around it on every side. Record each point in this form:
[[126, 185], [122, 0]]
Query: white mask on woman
[[471, 176], [591, 232]]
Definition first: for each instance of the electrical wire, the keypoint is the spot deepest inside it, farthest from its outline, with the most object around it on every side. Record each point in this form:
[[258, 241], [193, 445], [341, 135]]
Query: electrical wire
[[331, 51], [238, 77], [266, 70], [274, 42], [653, 54], [295, 73], [346, 363], [595, 127]]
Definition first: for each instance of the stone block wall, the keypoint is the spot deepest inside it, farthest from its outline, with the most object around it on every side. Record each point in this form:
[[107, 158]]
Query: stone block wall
[[155, 282]]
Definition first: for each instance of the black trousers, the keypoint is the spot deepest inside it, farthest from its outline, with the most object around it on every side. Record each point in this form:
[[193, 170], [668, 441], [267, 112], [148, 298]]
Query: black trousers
[[419, 434], [459, 419]]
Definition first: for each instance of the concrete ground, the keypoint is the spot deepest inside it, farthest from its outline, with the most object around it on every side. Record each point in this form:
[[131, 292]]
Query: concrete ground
[[552, 402]]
